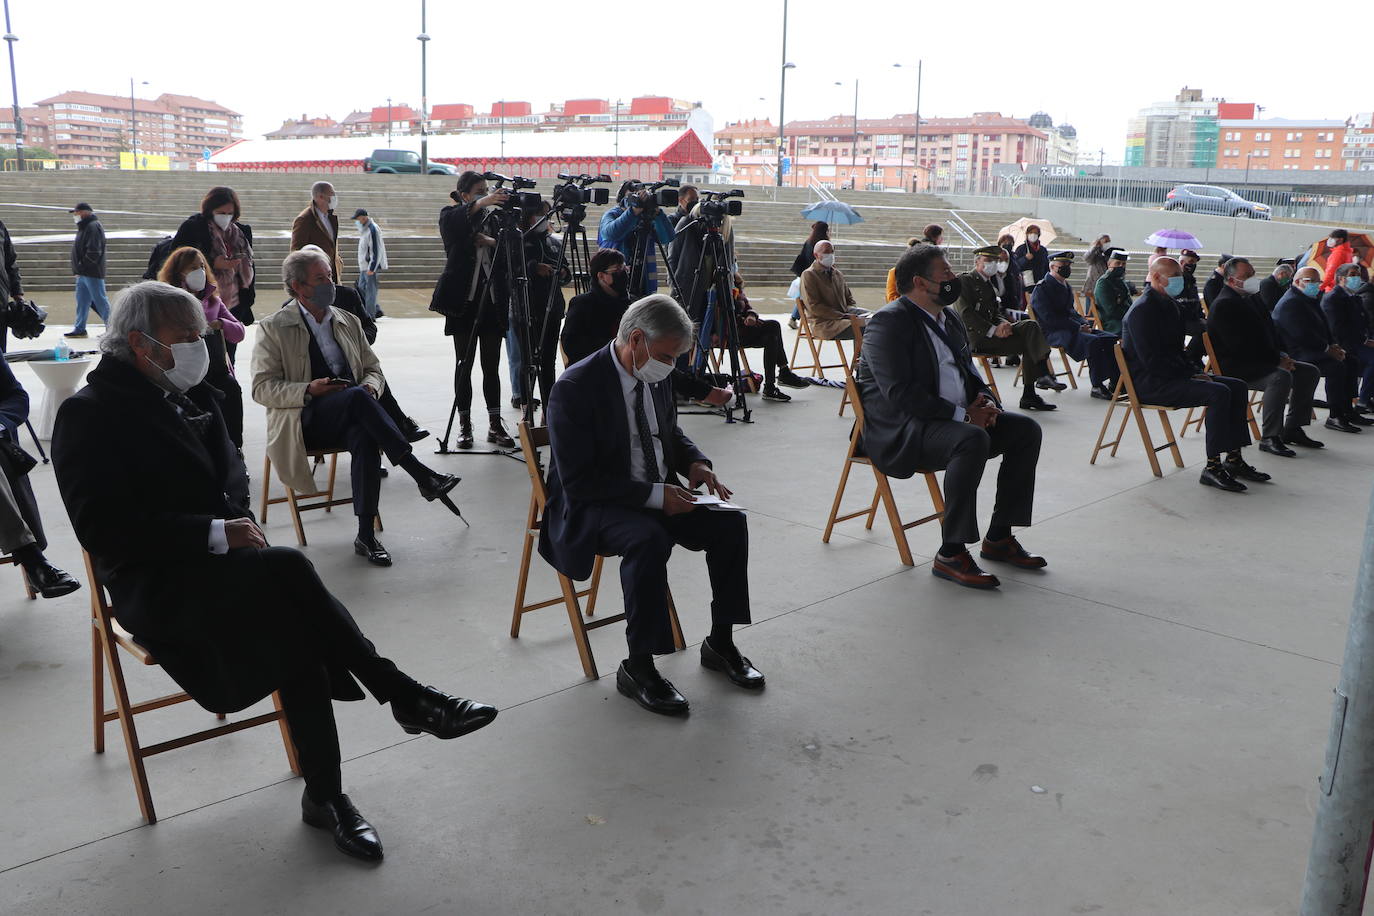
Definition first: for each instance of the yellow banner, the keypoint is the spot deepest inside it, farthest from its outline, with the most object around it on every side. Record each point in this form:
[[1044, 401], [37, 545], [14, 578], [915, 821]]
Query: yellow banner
[[148, 162]]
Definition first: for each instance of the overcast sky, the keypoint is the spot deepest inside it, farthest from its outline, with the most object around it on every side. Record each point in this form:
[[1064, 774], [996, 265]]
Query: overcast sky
[[1090, 64]]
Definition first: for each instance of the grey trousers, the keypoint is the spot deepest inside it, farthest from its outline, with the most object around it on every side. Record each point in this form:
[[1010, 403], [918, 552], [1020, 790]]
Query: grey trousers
[[1282, 386], [14, 531], [1027, 341], [962, 450]]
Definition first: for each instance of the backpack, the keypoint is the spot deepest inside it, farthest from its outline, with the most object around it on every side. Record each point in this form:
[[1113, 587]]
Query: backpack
[[161, 251]]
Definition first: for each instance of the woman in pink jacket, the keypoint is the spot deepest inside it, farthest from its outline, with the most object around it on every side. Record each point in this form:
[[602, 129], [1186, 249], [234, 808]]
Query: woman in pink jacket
[[187, 269]]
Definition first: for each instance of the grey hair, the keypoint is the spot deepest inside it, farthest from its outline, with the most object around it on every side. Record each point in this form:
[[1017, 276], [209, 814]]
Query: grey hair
[[659, 317], [297, 264], [1346, 269], [148, 307], [318, 188]]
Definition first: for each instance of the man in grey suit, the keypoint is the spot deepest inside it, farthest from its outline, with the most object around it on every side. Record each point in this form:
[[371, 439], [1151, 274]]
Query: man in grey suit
[[925, 408]]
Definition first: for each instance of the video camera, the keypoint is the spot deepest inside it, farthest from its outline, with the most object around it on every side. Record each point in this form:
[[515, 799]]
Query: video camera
[[716, 205], [519, 199], [574, 192], [661, 194]]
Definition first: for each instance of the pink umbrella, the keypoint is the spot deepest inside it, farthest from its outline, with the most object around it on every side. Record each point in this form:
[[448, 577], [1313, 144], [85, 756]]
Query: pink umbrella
[[1174, 238]]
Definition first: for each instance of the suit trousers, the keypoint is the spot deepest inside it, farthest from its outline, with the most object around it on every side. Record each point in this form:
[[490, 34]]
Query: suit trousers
[[1226, 400], [1102, 367], [1026, 341], [1282, 386], [962, 450], [353, 419], [644, 539], [768, 335], [14, 530]]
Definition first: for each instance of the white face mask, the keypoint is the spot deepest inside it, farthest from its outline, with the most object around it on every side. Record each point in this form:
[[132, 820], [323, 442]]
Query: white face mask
[[654, 370], [191, 361], [195, 280], [827, 260], [333, 201], [223, 220], [358, 224], [1332, 243], [76, 218], [1001, 267], [1251, 285], [1032, 237]]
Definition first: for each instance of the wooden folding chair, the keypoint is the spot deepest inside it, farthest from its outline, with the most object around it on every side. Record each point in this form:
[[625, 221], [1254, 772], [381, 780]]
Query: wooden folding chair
[[984, 361], [853, 364], [1214, 367], [814, 345], [23, 573], [532, 439], [1133, 407], [107, 638], [882, 492], [293, 499], [1049, 363]]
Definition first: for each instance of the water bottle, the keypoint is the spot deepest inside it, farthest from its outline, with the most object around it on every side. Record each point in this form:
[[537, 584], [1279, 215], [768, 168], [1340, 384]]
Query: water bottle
[[62, 352]]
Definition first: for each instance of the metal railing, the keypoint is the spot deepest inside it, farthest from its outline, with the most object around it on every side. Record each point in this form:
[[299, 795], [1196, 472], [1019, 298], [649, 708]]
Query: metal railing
[[967, 232]]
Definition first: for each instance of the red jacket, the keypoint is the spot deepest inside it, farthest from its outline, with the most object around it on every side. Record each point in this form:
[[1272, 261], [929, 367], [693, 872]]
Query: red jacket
[[1341, 254]]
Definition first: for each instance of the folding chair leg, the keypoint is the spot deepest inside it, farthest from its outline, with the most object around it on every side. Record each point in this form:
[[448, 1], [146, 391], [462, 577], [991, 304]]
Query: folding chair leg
[[526, 555], [266, 488], [937, 499], [126, 720], [594, 586], [329, 491], [1173, 440], [1068, 369], [678, 642], [296, 516], [98, 689], [839, 495], [584, 647], [28, 583], [898, 532], [288, 743], [1149, 443]]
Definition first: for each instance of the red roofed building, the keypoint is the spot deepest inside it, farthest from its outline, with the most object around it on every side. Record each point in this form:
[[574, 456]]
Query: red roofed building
[[89, 129]]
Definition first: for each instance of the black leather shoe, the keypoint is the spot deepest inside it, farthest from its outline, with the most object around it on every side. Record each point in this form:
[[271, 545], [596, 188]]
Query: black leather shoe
[[1050, 383], [1274, 446], [1299, 437], [497, 435], [1359, 420], [464, 434], [737, 668], [1101, 392], [1243, 471], [1011, 551], [51, 582], [652, 691], [438, 485], [376, 554], [1035, 402], [1339, 424], [414, 432], [1220, 478], [352, 834], [440, 715]]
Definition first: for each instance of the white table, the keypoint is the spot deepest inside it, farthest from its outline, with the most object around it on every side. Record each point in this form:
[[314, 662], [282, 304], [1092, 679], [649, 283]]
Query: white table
[[60, 378]]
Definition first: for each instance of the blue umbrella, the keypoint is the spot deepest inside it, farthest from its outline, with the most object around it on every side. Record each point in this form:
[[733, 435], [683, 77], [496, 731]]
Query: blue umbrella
[[834, 212]]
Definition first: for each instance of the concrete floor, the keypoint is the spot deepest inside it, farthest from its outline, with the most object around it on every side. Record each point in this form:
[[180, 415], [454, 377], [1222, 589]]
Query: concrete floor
[[1166, 683]]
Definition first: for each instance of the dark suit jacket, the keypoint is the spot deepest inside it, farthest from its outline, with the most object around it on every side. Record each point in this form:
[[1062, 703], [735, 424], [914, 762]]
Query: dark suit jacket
[[1152, 335], [306, 230], [1212, 288], [593, 318], [1243, 335], [14, 410], [898, 378], [149, 533], [1346, 318], [1302, 327], [1271, 291], [1052, 302], [589, 438]]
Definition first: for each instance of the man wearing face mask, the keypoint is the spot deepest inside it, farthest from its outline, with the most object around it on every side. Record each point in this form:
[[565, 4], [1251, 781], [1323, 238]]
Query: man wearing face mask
[[1032, 255], [1152, 338], [88, 264], [926, 408], [318, 225], [1052, 302], [1112, 297], [992, 332], [1306, 337], [687, 197], [620, 482], [1272, 287], [319, 380], [1215, 281], [1344, 311], [1248, 347], [1338, 253], [189, 572], [371, 260], [1194, 321], [827, 297]]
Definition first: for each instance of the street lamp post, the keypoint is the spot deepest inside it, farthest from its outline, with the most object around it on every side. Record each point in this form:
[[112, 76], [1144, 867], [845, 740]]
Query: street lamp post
[[423, 38], [916, 154], [388, 122], [133, 123], [854, 144], [615, 129], [10, 39], [503, 133], [782, 94]]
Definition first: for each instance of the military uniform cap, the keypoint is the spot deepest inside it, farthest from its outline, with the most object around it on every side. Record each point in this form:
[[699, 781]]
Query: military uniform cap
[[988, 251]]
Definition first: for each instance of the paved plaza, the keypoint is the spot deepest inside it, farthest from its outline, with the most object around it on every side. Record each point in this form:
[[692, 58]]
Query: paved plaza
[[1136, 730]]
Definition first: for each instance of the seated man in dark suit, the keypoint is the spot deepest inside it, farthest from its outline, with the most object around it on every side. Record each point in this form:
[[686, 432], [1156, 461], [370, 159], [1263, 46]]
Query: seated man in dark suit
[[1272, 287], [1344, 310], [1306, 337], [926, 408], [21, 528], [1152, 337], [620, 481], [190, 574], [1247, 346], [1052, 303]]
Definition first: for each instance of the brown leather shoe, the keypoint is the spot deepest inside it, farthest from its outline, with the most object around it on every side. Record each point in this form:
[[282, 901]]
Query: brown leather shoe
[[963, 571], [1010, 551]]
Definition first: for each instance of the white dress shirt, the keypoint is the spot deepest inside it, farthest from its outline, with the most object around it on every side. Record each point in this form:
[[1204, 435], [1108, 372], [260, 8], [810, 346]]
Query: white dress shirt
[[323, 217], [627, 388], [323, 332], [951, 379]]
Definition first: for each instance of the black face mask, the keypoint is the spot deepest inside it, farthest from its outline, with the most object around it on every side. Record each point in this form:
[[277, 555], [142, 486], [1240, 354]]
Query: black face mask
[[1118, 271], [1189, 268], [620, 282], [1065, 272], [948, 293]]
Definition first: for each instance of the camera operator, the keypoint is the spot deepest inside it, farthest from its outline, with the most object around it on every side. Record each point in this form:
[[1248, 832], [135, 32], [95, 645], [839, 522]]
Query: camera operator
[[594, 318], [546, 279], [687, 197], [635, 204], [686, 255], [457, 297]]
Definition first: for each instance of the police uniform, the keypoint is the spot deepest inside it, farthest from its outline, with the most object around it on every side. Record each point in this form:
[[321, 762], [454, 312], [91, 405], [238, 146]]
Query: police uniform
[[980, 309], [1112, 297]]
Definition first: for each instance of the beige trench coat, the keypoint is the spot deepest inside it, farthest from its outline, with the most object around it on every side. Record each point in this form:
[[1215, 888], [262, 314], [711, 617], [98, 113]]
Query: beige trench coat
[[281, 373]]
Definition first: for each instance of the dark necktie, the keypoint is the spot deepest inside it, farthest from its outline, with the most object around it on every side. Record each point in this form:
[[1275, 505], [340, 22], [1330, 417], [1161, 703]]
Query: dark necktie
[[198, 420], [646, 437]]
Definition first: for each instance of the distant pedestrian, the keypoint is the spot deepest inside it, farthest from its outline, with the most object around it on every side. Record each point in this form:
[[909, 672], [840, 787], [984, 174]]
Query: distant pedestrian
[[371, 260], [88, 264], [318, 224], [934, 234]]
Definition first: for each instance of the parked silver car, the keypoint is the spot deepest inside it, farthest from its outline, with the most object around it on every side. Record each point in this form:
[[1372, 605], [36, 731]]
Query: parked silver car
[[1206, 198]]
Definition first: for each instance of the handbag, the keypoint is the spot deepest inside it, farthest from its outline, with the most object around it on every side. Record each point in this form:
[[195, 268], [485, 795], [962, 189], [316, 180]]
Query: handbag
[[21, 461], [24, 319]]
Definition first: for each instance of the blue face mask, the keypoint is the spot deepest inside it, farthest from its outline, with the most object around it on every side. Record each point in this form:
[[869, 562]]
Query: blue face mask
[[1354, 284], [1175, 286], [1311, 289]]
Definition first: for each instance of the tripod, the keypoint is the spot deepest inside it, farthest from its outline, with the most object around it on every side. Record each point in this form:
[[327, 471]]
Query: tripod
[[637, 257], [719, 318]]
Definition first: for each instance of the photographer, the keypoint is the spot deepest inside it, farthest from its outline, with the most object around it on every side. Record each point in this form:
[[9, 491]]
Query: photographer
[[635, 208], [457, 297], [690, 239], [546, 279], [687, 197]]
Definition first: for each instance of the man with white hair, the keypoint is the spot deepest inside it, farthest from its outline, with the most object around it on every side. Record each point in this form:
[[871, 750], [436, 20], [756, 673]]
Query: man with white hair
[[188, 570], [827, 297], [318, 224], [621, 481], [320, 381]]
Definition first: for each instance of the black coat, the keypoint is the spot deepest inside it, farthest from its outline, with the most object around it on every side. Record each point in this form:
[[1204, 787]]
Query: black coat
[[14, 411], [899, 383], [1271, 291], [1302, 327], [1052, 302], [458, 227], [11, 285], [1152, 335], [1037, 261], [195, 232], [1345, 316], [589, 462], [593, 319], [1243, 335], [1188, 300], [1212, 288], [803, 259], [88, 250]]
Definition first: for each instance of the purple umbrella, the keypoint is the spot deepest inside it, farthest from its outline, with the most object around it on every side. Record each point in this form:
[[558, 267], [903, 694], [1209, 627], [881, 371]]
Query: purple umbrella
[[1174, 238]]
